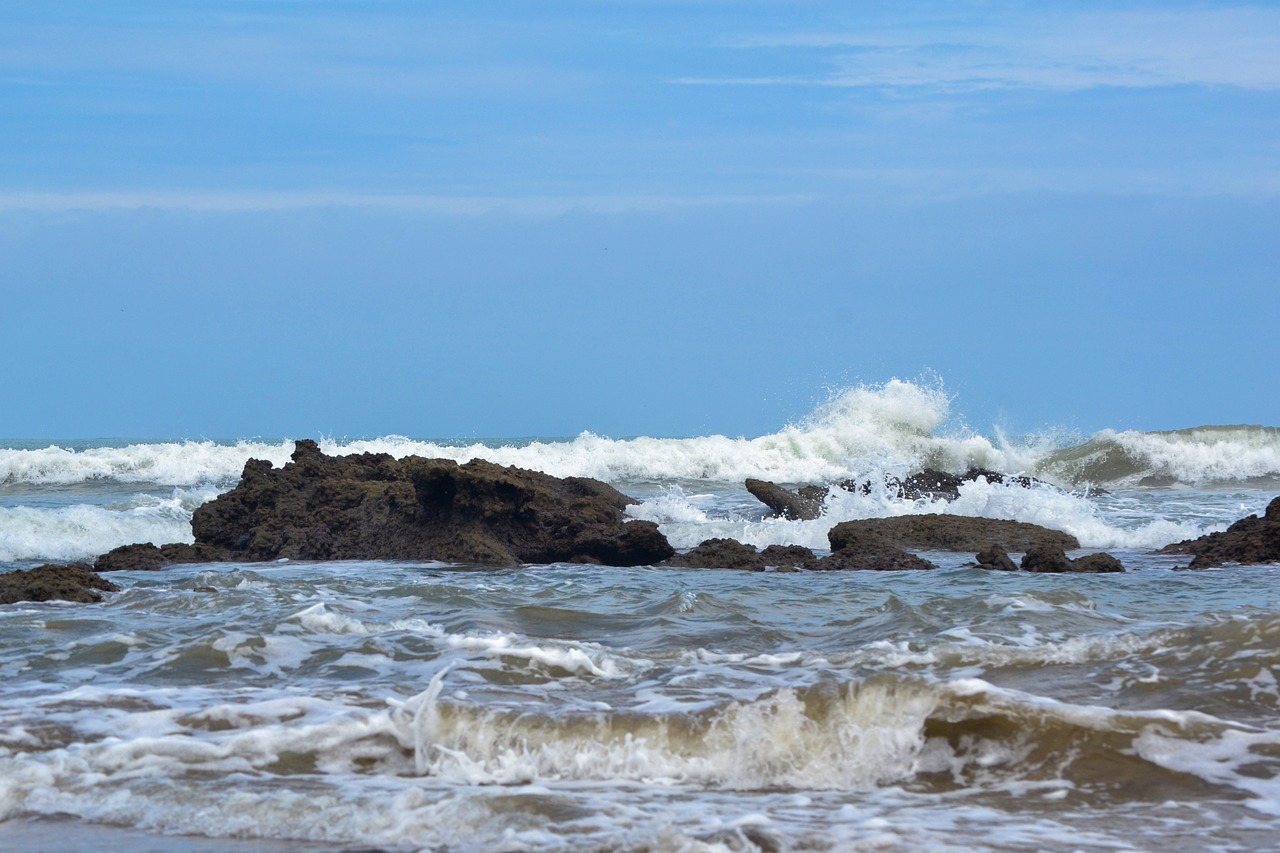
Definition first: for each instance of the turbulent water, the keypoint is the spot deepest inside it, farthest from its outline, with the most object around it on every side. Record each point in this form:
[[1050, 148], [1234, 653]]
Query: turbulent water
[[422, 706]]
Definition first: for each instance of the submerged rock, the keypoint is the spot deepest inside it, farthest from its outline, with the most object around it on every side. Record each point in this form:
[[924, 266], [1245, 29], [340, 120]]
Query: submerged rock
[[1250, 541], [936, 532], [75, 582]]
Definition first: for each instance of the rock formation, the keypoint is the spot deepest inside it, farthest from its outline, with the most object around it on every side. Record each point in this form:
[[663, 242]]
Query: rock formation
[[375, 507], [74, 582], [1250, 541], [803, 504], [1052, 560], [936, 532]]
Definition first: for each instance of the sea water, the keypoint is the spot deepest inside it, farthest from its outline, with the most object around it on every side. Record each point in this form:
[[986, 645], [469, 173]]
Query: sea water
[[293, 706]]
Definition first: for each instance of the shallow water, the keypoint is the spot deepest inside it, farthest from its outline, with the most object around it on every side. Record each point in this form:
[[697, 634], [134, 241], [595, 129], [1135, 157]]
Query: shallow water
[[424, 706]]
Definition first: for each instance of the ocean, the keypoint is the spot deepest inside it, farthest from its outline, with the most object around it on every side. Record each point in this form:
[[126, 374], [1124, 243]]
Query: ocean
[[361, 706]]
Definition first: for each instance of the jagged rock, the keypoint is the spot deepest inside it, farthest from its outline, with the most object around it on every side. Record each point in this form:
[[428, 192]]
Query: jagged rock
[[935, 532], [803, 504], [1051, 559], [75, 582], [375, 507], [1250, 541], [997, 559]]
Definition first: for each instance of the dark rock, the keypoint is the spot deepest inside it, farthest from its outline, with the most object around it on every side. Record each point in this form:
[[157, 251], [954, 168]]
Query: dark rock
[[997, 559], [1100, 563], [1250, 541], [374, 507], [1050, 559], [872, 553], [732, 554], [1046, 558], [789, 558], [720, 554], [935, 532], [146, 557], [75, 582], [804, 504], [864, 548]]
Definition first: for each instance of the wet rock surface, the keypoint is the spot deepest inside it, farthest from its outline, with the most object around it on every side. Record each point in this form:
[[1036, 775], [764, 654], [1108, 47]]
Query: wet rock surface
[[936, 532], [76, 582], [1049, 559], [803, 504], [995, 559], [732, 554], [375, 507], [1252, 540]]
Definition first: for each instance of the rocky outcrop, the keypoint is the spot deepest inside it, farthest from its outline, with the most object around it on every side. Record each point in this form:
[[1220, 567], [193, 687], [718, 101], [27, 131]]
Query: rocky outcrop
[[995, 559], [803, 504], [935, 532], [732, 554], [1051, 560], [145, 557], [1252, 540], [864, 548], [75, 582], [375, 507]]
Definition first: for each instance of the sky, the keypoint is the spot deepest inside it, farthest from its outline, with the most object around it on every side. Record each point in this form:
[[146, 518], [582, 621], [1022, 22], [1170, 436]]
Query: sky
[[241, 218]]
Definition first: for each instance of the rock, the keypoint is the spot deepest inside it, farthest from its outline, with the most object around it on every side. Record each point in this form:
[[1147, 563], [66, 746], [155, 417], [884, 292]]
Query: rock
[[804, 504], [372, 506], [936, 532], [75, 582], [861, 547], [146, 557], [997, 559], [1099, 563], [1046, 559], [1250, 541], [720, 554], [1050, 559], [789, 558], [732, 554]]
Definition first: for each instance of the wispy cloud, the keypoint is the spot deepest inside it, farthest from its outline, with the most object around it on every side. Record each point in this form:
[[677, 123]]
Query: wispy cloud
[[1237, 47], [277, 201]]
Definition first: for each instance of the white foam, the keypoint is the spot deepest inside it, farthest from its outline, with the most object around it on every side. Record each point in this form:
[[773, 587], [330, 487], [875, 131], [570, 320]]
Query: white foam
[[83, 531], [889, 423]]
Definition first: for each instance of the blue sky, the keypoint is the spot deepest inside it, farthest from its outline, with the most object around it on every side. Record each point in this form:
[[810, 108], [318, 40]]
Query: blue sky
[[247, 218]]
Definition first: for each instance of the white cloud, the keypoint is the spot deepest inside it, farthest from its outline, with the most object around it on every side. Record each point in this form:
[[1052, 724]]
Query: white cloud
[[1230, 47]]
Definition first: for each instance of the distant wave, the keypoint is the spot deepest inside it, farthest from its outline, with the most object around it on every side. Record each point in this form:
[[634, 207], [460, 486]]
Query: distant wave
[[1205, 455], [896, 427]]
